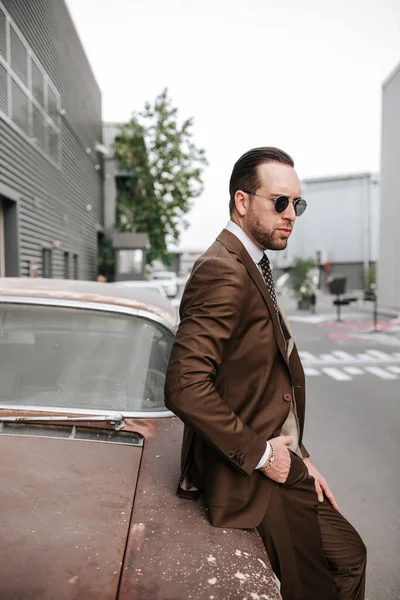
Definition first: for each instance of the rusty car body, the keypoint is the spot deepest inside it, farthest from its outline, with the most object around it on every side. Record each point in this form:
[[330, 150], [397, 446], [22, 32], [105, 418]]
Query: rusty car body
[[89, 457]]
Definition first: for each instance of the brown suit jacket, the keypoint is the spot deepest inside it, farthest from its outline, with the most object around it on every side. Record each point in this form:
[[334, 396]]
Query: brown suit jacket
[[231, 383]]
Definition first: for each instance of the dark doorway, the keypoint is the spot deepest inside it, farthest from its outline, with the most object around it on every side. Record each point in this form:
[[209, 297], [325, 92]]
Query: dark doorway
[[9, 257], [47, 263]]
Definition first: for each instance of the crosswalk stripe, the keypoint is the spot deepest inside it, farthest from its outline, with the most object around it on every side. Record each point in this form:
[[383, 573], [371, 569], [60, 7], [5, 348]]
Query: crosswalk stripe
[[311, 372], [380, 355], [344, 355], [365, 358], [382, 373], [307, 356], [328, 358], [336, 374], [394, 369], [353, 370]]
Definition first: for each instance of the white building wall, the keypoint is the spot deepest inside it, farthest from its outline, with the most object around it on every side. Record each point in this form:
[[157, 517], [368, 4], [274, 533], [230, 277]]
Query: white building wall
[[341, 221], [389, 248]]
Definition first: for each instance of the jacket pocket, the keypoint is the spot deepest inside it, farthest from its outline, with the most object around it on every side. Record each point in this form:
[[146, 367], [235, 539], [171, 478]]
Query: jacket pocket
[[226, 487]]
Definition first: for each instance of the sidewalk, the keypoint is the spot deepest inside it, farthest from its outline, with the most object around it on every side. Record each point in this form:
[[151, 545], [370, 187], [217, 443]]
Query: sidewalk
[[325, 306]]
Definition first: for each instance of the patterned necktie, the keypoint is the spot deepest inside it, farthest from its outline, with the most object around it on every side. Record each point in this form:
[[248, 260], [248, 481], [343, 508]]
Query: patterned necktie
[[267, 274]]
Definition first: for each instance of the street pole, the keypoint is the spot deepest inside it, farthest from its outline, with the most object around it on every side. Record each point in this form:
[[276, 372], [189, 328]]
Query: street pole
[[375, 311], [338, 304]]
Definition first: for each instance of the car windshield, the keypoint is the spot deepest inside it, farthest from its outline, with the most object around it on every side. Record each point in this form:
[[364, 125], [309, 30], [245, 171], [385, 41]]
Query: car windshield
[[79, 358]]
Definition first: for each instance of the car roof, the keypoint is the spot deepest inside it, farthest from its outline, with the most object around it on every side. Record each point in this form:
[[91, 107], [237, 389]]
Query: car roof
[[145, 284], [164, 273], [114, 294]]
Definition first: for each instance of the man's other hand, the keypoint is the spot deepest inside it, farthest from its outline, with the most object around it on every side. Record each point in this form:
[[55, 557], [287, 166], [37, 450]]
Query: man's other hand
[[321, 485], [279, 469]]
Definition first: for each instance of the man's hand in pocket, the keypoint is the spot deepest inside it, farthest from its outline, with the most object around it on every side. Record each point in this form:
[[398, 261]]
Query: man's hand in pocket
[[278, 470]]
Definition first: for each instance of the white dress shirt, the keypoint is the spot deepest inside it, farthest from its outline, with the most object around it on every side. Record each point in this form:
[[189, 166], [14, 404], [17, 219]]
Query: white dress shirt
[[256, 254]]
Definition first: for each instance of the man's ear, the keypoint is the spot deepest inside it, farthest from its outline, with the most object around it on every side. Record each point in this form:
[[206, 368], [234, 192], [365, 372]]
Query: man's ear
[[241, 203]]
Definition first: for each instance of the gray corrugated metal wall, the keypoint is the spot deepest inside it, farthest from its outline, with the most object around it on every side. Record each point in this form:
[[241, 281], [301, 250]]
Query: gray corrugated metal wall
[[53, 200], [389, 250]]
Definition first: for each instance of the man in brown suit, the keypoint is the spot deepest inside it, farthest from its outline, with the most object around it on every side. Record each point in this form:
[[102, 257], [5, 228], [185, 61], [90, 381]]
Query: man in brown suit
[[236, 380]]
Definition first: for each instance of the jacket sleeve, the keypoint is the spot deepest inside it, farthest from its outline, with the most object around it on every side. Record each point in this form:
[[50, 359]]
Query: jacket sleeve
[[211, 309]]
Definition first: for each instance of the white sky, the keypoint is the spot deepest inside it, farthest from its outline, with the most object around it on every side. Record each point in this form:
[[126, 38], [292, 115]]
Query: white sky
[[304, 75]]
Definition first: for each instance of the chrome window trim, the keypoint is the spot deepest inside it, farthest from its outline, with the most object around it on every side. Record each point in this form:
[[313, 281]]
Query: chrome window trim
[[139, 443], [89, 411], [81, 304]]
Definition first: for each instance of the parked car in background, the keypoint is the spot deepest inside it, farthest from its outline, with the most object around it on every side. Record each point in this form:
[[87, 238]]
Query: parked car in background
[[168, 280], [89, 457], [145, 284], [153, 291]]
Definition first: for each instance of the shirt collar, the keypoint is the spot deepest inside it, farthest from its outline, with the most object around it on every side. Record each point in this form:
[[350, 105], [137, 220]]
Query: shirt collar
[[255, 252]]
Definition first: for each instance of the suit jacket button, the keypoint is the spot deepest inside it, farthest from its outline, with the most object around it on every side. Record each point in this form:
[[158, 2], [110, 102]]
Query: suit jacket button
[[231, 453], [287, 397], [241, 463]]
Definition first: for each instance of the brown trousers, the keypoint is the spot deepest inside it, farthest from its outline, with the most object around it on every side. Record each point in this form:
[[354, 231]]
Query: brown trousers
[[314, 551]]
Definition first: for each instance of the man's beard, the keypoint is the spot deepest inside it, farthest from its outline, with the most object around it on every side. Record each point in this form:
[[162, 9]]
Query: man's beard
[[266, 239]]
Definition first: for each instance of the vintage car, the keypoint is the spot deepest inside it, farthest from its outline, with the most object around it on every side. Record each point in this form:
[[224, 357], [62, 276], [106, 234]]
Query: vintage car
[[89, 457]]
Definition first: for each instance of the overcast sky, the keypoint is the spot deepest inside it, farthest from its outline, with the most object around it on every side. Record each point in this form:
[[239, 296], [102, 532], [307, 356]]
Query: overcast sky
[[304, 75]]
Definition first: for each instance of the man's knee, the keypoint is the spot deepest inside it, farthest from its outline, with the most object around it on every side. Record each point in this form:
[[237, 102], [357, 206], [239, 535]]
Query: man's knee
[[354, 562], [360, 555]]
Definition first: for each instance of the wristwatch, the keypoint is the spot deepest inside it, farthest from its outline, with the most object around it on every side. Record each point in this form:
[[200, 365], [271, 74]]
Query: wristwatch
[[271, 459]]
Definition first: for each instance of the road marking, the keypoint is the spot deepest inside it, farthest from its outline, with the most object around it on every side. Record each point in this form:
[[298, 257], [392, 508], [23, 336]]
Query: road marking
[[367, 358], [307, 356], [310, 372], [316, 319], [336, 374], [347, 373], [380, 355], [328, 358], [353, 370], [345, 356], [340, 358], [379, 372]]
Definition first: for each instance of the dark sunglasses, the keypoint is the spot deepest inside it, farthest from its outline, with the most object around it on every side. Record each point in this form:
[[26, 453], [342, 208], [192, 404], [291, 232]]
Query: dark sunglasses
[[282, 202]]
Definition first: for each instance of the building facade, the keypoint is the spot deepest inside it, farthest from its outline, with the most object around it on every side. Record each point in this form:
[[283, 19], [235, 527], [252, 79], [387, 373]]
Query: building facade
[[389, 245], [51, 179], [339, 230], [111, 174]]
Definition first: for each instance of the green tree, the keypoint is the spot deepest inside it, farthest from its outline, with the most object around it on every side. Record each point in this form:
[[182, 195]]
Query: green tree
[[163, 170], [106, 258], [299, 272]]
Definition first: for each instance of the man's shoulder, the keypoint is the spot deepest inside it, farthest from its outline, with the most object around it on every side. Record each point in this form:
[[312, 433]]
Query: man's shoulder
[[217, 259]]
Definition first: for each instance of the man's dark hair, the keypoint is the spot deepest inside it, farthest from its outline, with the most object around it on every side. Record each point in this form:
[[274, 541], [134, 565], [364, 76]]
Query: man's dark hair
[[244, 175]]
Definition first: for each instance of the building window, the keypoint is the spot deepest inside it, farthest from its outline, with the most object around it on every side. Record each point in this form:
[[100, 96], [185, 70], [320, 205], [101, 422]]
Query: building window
[[66, 265], [76, 267], [3, 26], [28, 98], [130, 262], [19, 107], [47, 263]]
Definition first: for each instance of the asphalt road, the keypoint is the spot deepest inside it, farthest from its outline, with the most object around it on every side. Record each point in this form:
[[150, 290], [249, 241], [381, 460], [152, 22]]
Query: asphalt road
[[353, 428]]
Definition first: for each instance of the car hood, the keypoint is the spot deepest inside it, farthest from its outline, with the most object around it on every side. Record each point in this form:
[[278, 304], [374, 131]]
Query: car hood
[[66, 506]]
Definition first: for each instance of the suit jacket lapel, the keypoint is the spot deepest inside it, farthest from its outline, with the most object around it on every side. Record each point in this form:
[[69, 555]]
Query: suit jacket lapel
[[288, 331], [233, 244]]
